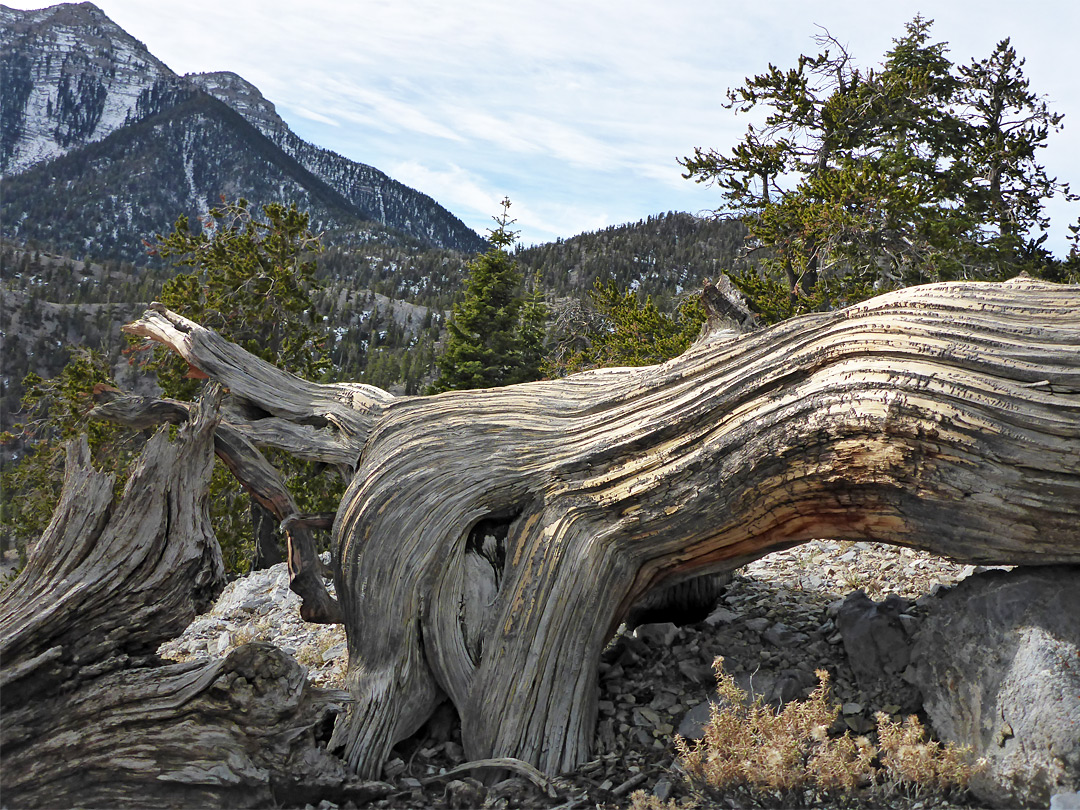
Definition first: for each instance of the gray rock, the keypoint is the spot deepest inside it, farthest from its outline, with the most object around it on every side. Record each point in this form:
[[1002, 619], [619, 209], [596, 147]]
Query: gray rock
[[646, 718], [663, 787], [221, 644], [834, 608], [789, 685], [697, 673], [757, 625], [721, 616], [859, 724], [692, 726], [461, 794], [338, 650], [909, 623], [658, 635], [783, 636], [1065, 801], [394, 768], [256, 604], [996, 661], [877, 645]]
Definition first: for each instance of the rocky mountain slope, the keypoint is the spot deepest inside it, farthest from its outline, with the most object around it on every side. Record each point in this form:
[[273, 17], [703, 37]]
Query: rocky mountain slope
[[74, 79], [71, 77], [375, 195], [117, 192]]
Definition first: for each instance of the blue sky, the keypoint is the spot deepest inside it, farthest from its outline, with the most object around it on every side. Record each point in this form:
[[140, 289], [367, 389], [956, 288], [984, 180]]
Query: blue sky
[[576, 110]]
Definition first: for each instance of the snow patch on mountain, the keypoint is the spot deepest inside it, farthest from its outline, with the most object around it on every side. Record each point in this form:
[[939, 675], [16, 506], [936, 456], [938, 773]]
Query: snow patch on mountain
[[72, 77]]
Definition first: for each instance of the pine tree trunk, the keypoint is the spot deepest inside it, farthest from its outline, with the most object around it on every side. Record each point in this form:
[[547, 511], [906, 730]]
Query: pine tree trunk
[[491, 541]]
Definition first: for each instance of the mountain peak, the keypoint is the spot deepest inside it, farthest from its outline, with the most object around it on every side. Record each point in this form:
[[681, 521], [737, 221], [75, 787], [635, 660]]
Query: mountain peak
[[62, 13], [73, 78], [242, 96]]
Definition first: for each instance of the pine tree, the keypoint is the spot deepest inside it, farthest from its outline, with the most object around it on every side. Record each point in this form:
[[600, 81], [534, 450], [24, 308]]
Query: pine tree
[[617, 328], [252, 280], [54, 412], [865, 180], [1007, 125], [495, 336]]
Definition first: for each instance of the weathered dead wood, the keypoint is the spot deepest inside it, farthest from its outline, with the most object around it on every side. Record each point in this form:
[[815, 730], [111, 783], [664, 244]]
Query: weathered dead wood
[[245, 731], [105, 586], [258, 477], [91, 716], [326, 423], [490, 541]]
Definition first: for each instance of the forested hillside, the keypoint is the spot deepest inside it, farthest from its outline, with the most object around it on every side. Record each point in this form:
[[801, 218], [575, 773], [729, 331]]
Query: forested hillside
[[383, 305], [660, 256], [53, 304]]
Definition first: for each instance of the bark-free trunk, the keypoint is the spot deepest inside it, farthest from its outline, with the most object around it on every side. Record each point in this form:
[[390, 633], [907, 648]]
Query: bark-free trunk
[[491, 541], [91, 716]]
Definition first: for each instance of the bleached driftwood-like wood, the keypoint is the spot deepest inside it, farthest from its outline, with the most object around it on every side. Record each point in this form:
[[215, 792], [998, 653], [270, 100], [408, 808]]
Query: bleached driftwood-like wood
[[320, 422], [91, 716], [243, 731], [257, 476], [104, 585], [491, 541]]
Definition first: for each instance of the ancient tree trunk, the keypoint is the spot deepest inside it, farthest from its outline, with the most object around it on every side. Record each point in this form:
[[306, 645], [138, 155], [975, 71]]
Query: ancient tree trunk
[[491, 541], [92, 718]]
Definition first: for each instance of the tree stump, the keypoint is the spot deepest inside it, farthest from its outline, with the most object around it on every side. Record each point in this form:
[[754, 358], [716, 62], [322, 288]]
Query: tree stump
[[92, 718]]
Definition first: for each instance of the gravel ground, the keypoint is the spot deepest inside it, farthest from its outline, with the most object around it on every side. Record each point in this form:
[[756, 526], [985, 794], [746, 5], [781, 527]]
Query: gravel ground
[[773, 626]]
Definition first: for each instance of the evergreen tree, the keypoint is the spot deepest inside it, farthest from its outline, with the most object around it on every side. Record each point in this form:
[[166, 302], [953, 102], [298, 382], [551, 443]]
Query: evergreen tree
[[1007, 124], [864, 180], [252, 281], [495, 336], [619, 329], [54, 412]]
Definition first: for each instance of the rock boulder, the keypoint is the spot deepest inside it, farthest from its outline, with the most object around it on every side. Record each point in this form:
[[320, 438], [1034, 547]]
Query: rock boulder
[[997, 660], [878, 645]]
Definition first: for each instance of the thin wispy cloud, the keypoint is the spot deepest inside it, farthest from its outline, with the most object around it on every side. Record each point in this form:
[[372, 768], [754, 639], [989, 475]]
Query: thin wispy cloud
[[576, 111], [311, 115], [382, 110]]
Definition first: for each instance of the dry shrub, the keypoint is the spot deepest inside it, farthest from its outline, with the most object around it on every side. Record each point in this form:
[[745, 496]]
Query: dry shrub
[[640, 800], [914, 766], [754, 756]]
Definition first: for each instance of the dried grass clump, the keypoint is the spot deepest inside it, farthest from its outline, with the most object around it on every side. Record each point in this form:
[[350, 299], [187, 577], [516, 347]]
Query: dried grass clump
[[311, 654], [754, 756], [913, 766]]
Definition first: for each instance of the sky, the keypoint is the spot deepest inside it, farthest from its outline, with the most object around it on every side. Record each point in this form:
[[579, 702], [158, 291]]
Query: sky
[[577, 110]]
